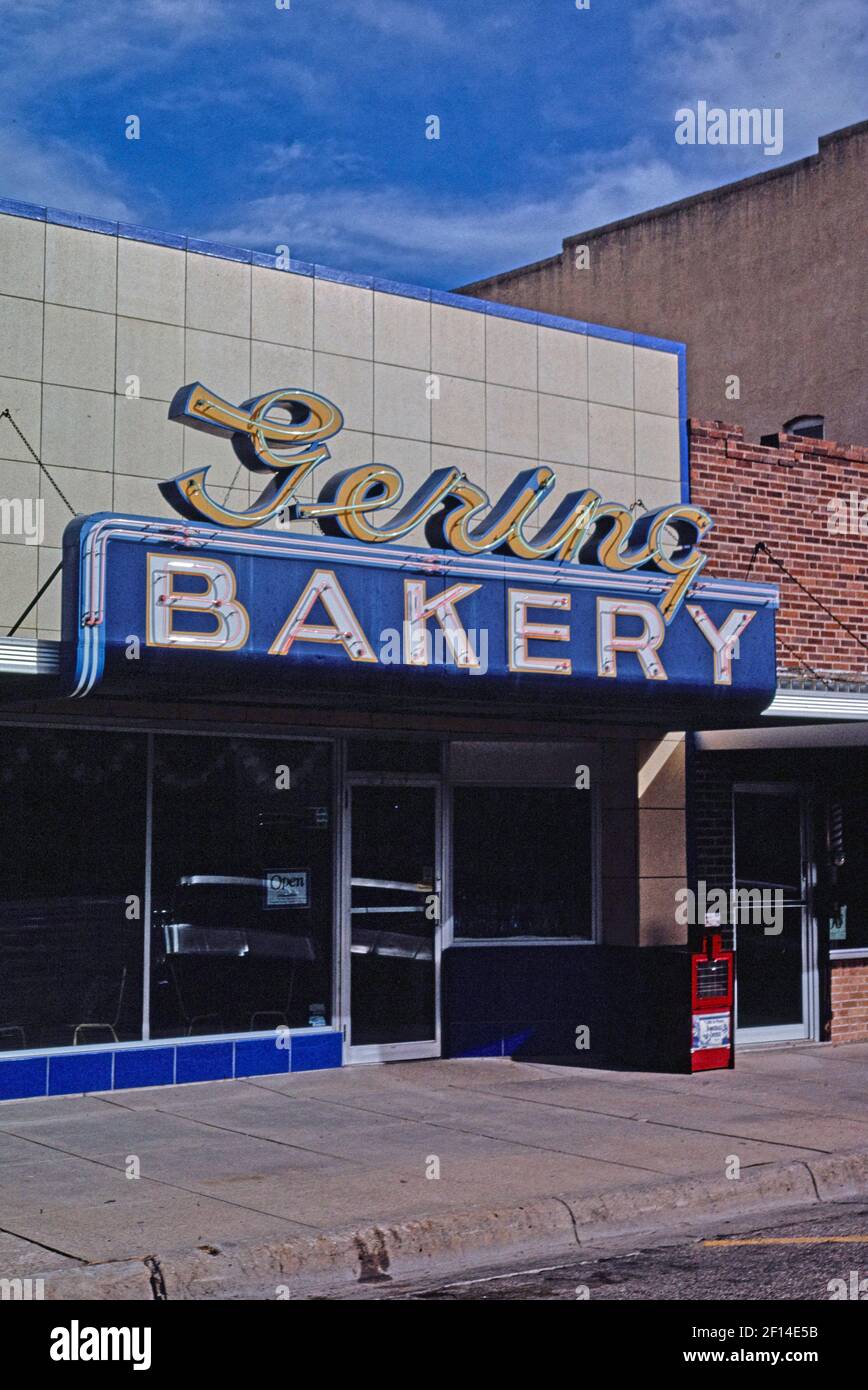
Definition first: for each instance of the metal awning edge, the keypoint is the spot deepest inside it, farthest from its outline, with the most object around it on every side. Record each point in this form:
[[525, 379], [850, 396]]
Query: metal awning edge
[[29, 656]]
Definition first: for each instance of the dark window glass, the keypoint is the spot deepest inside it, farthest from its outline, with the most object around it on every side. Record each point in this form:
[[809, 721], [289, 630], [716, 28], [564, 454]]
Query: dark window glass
[[768, 935], [768, 847], [392, 971], [847, 900], [809, 426], [522, 862], [770, 970], [72, 832], [393, 755], [242, 885]]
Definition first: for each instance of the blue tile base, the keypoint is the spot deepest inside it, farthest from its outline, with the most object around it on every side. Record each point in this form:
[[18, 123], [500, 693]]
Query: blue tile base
[[165, 1064]]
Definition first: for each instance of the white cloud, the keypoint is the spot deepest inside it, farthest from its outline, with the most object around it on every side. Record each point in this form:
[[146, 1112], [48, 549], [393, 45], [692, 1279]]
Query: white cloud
[[46, 43], [50, 49], [390, 229], [400, 19], [808, 57], [54, 172]]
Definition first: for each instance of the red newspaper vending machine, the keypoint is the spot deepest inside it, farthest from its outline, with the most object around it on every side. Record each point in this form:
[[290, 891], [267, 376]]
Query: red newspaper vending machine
[[711, 991]]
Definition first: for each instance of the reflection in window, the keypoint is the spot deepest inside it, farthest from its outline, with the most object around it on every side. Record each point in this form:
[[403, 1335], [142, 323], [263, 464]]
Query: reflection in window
[[242, 885], [846, 898], [768, 844], [522, 862], [809, 426], [72, 830]]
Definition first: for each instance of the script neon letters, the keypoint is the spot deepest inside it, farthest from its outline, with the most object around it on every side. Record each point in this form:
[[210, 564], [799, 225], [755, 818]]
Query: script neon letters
[[283, 433]]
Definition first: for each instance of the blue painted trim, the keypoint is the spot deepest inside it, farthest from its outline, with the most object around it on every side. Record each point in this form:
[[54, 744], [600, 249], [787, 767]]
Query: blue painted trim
[[144, 1066], [615, 335], [77, 1071], [658, 344], [459, 301], [129, 232], [494, 310], [564, 325], [23, 1078], [684, 448], [78, 219], [204, 1061], [344, 277], [267, 260], [220, 252], [260, 1057], [405, 291], [125, 1066], [316, 1051], [683, 429], [13, 208]]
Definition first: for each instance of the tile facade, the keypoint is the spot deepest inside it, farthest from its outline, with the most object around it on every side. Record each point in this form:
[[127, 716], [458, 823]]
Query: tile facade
[[100, 325]]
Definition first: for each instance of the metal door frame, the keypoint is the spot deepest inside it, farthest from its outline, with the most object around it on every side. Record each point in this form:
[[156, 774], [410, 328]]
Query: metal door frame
[[808, 1029], [386, 1052]]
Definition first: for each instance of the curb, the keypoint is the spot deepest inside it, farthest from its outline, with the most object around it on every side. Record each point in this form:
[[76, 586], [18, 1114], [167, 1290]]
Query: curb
[[425, 1245]]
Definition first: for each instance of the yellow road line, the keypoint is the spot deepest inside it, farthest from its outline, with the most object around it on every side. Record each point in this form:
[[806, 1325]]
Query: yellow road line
[[792, 1240]]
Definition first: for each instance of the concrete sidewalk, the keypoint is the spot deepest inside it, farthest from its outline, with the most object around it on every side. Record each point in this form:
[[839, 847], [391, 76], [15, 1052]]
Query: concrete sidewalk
[[329, 1175]]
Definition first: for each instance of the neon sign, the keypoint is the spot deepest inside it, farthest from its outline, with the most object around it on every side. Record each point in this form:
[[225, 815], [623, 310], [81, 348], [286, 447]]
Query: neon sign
[[175, 606], [283, 433]]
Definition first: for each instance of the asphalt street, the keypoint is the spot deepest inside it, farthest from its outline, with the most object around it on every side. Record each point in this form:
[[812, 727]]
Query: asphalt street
[[794, 1256]]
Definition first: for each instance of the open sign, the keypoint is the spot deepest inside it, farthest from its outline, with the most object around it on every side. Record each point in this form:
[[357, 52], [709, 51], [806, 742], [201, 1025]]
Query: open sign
[[287, 888]]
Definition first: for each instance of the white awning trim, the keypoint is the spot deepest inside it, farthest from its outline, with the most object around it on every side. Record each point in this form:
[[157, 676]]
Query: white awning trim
[[818, 704], [29, 656]]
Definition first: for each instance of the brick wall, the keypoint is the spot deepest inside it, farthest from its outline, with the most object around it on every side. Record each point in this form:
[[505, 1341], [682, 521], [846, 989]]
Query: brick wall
[[850, 1001], [781, 495]]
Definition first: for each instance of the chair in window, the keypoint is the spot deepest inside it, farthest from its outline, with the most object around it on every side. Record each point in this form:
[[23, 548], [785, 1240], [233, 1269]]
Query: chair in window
[[189, 1002], [9, 1030], [267, 1018], [293, 949], [101, 1005]]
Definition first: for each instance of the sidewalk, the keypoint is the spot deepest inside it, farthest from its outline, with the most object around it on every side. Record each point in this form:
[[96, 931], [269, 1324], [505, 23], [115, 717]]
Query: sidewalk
[[324, 1174]]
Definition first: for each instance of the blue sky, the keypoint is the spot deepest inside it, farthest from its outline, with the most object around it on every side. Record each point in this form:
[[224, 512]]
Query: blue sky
[[306, 126]]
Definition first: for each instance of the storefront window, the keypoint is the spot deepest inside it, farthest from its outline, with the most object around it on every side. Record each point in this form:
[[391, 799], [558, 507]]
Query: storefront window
[[847, 873], [522, 862], [72, 830], [242, 885]]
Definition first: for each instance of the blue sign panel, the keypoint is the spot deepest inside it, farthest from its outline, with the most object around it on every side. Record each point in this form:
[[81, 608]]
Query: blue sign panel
[[189, 609]]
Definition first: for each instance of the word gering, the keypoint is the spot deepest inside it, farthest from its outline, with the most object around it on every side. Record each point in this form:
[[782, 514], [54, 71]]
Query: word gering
[[283, 433]]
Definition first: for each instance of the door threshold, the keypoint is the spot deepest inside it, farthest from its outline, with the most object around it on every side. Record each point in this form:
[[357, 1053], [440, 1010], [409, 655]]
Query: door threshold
[[392, 1052]]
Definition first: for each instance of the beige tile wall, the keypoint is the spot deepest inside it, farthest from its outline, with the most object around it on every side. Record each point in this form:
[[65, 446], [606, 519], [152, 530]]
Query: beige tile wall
[[83, 316]]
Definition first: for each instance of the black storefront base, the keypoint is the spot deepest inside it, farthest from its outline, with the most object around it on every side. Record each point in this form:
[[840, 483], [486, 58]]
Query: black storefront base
[[531, 1001]]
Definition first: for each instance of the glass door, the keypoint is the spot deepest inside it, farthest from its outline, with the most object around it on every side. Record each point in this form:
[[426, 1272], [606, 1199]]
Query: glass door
[[393, 932], [772, 921]]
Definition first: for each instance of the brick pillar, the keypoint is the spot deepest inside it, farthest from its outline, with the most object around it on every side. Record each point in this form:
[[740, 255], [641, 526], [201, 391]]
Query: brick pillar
[[849, 1001]]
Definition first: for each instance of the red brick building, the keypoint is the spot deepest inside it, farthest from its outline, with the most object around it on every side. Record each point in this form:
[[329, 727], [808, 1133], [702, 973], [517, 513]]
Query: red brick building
[[802, 778]]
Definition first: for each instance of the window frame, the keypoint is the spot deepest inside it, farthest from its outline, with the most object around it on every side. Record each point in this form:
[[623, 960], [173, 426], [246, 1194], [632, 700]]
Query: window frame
[[589, 754], [195, 728]]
